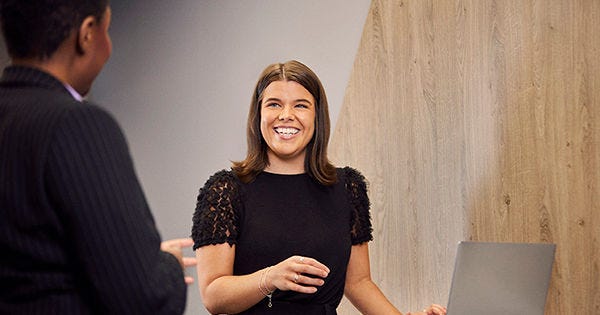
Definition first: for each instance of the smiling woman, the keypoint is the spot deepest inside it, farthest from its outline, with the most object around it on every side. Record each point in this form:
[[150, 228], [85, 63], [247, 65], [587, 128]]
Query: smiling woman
[[292, 90], [284, 231], [287, 125]]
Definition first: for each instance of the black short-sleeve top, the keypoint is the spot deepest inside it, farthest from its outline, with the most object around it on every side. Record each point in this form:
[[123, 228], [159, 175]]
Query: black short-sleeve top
[[278, 216]]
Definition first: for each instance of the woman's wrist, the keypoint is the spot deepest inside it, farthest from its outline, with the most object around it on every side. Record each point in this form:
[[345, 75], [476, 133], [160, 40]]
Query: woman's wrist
[[268, 282], [263, 285]]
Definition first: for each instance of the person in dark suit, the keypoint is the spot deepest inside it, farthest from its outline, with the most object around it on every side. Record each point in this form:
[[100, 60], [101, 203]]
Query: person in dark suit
[[76, 233]]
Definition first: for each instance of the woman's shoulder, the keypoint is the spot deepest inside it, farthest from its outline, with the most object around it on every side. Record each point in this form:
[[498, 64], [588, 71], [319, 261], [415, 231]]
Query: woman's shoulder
[[222, 178], [223, 174], [350, 175]]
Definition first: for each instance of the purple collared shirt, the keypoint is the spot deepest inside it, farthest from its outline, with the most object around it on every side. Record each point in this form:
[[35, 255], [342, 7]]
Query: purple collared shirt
[[74, 93]]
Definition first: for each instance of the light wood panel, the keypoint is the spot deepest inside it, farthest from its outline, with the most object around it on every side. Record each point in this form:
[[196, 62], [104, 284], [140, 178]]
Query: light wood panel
[[477, 120]]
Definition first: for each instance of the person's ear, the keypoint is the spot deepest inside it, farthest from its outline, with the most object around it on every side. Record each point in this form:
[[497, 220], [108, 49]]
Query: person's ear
[[85, 34]]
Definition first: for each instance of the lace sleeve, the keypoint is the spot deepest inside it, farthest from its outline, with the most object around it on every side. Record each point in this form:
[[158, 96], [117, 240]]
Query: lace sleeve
[[215, 218], [356, 187]]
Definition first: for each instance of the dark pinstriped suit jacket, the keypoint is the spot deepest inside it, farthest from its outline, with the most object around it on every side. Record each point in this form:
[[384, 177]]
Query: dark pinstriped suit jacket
[[76, 234]]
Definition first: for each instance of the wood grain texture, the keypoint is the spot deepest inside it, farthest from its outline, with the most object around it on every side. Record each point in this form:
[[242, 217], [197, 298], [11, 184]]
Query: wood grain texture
[[477, 120]]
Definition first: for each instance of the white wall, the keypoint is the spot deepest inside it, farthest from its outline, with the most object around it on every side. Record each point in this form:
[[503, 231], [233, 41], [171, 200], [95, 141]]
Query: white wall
[[181, 76]]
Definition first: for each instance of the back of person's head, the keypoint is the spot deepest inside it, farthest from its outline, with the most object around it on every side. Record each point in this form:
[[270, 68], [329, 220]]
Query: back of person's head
[[36, 28]]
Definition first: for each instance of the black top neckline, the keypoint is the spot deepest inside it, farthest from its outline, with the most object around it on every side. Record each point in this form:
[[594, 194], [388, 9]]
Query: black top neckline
[[283, 175]]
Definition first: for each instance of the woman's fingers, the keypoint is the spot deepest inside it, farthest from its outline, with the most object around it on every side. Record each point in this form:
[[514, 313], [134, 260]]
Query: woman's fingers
[[435, 309], [306, 280], [311, 266], [300, 274]]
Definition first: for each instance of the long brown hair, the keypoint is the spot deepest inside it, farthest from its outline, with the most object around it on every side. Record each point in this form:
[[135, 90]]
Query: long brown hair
[[317, 164]]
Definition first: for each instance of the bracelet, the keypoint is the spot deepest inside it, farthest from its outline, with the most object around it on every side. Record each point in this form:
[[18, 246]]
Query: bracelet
[[262, 283]]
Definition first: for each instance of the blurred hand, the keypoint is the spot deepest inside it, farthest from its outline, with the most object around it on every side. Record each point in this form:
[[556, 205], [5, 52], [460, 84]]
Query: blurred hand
[[433, 309], [174, 247]]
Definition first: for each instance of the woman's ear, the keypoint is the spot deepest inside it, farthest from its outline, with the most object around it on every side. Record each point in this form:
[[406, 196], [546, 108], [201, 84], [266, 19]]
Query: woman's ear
[[85, 35]]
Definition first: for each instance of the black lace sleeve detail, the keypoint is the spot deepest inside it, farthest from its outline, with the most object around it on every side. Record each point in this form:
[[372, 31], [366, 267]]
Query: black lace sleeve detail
[[215, 218], [356, 187]]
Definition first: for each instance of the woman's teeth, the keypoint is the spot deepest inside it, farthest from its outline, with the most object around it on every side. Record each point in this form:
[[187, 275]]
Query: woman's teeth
[[287, 131]]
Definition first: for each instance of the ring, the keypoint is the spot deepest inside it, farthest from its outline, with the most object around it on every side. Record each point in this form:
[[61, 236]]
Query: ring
[[301, 259], [296, 278]]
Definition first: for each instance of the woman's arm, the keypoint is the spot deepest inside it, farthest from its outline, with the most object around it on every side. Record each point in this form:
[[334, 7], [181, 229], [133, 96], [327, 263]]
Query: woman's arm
[[364, 293], [360, 289], [222, 292]]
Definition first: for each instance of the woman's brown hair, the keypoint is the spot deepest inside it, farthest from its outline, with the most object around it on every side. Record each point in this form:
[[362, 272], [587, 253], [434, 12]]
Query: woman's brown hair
[[316, 164]]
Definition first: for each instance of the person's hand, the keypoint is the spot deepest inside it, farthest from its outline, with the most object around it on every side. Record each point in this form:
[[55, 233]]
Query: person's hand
[[432, 309], [174, 247], [297, 273]]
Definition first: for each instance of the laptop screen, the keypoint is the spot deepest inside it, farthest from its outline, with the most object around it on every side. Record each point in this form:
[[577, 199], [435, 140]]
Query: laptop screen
[[501, 278]]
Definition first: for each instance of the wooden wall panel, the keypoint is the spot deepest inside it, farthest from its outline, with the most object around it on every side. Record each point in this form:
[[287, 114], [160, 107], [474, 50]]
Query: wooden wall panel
[[477, 120]]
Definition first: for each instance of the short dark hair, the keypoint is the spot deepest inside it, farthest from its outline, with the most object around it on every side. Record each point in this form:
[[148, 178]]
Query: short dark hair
[[36, 28], [317, 164]]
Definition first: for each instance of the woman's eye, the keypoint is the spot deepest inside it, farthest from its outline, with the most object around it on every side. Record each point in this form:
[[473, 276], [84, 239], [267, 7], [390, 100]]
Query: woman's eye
[[301, 105], [272, 105]]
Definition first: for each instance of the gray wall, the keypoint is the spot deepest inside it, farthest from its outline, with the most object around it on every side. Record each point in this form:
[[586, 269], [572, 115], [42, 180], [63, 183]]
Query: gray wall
[[180, 79]]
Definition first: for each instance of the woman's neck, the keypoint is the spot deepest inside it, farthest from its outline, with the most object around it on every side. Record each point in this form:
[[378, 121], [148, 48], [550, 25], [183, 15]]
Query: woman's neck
[[285, 166]]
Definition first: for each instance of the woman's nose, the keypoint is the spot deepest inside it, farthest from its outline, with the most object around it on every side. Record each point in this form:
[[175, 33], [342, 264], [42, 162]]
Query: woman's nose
[[286, 113]]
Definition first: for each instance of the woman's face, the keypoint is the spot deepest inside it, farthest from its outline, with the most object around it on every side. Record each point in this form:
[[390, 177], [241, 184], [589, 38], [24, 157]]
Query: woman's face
[[287, 121]]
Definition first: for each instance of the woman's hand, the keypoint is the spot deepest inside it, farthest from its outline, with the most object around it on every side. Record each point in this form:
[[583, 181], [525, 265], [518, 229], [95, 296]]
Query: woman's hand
[[297, 273], [433, 309]]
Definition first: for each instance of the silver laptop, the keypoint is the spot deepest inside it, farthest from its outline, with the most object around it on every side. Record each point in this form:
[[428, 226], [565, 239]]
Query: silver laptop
[[500, 278]]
